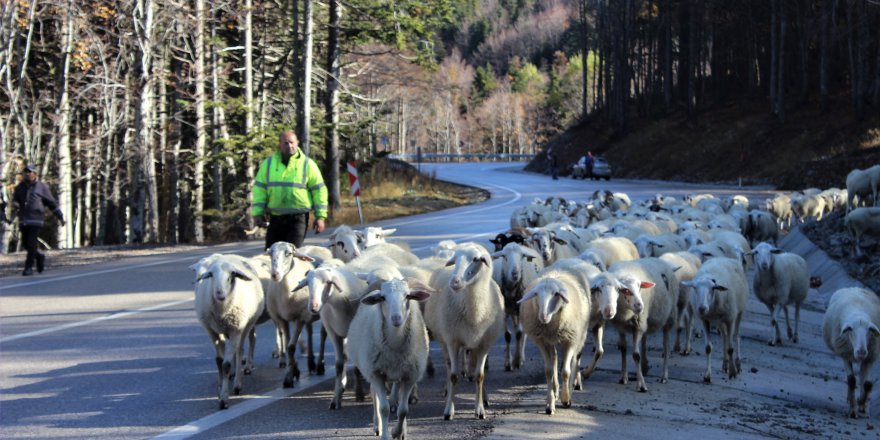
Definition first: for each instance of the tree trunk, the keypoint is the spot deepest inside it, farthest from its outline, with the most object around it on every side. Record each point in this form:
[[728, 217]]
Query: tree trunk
[[774, 57], [201, 125], [667, 55], [585, 45], [306, 99], [220, 129], [825, 23], [249, 99], [331, 162], [780, 69], [65, 186], [144, 207]]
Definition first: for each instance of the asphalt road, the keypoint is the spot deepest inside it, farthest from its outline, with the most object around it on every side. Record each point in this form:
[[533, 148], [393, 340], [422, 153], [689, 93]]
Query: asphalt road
[[114, 351]]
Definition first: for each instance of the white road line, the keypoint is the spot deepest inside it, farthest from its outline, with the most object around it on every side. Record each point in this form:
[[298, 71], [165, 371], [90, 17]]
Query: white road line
[[91, 321], [116, 269], [517, 196]]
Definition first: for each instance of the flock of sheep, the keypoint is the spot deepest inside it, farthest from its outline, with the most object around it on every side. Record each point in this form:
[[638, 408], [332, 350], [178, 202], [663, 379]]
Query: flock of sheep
[[562, 271]]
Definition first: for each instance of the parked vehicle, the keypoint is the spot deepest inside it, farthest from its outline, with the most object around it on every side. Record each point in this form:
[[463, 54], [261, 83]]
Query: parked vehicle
[[601, 169]]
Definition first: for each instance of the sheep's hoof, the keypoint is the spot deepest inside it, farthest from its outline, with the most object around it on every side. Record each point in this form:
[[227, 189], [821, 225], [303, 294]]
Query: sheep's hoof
[[236, 391], [578, 387], [392, 409], [507, 367], [549, 411], [313, 368], [481, 415], [320, 368], [275, 354], [282, 364], [663, 380], [447, 416], [332, 405], [247, 371], [685, 352], [795, 339], [643, 389], [566, 404], [224, 404], [413, 399], [853, 415], [288, 382], [707, 379]]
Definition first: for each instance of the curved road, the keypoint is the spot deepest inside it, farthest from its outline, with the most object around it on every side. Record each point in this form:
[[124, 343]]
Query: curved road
[[114, 351]]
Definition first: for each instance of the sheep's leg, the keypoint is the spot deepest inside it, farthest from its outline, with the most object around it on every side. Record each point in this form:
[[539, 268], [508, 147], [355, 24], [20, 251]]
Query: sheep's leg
[[621, 346], [707, 376], [689, 325], [548, 352], [219, 351], [508, 335], [279, 342], [598, 332], [737, 360], [480, 354], [788, 329], [726, 337], [664, 376], [639, 346], [867, 386], [284, 330], [520, 356], [797, 322], [568, 359], [359, 393], [252, 341], [774, 308], [313, 366], [453, 366], [339, 351], [291, 375], [237, 339], [576, 382], [320, 367], [406, 389], [850, 388]]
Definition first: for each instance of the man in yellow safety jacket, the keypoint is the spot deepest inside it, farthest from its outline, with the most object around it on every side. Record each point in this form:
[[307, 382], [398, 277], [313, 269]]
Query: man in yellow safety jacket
[[288, 185]]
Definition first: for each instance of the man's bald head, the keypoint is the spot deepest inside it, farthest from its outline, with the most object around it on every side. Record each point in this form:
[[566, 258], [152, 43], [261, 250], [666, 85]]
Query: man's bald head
[[287, 143]]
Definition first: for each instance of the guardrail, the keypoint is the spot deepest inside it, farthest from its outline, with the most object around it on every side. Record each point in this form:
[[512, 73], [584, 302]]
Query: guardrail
[[441, 157]]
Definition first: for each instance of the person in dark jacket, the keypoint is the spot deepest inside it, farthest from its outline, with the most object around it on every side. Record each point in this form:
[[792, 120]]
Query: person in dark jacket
[[31, 198]]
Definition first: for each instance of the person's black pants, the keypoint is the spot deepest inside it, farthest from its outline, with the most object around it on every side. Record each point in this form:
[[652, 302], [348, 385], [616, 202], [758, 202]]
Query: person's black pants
[[290, 228], [29, 234]]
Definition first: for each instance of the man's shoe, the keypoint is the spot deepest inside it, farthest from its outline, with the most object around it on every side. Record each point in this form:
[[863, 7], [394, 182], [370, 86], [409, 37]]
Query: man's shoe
[[41, 260], [27, 272]]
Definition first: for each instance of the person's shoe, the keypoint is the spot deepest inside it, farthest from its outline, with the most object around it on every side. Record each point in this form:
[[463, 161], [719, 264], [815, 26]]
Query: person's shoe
[[27, 272], [41, 260]]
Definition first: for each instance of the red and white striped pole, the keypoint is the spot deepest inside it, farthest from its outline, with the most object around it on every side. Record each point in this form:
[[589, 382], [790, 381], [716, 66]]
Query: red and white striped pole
[[355, 188]]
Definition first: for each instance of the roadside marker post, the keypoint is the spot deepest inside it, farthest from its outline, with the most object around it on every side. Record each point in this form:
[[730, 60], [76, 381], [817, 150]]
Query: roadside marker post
[[355, 188]]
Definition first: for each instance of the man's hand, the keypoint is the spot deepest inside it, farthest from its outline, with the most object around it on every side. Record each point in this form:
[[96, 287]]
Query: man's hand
[[261, 222], [319, 225]]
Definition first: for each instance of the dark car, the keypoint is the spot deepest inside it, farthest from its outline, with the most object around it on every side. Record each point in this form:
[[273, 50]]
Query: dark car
[[601, 169]]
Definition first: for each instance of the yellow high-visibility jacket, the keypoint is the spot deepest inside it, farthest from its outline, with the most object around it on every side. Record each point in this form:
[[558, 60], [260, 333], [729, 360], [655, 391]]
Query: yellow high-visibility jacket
[[293, 189]]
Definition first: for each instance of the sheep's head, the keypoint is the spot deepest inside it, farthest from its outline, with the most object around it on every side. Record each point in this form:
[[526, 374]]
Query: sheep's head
[[861, 335], [223, 276], [593, 258], [764, 255], [703, 288], [394, 297], [322, 282], [468, 261], [284, 256], [374, 235], [551, 296], [515, 260]]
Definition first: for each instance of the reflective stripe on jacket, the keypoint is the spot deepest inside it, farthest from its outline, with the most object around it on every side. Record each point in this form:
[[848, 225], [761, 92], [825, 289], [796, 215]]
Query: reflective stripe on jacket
[[295, 188]]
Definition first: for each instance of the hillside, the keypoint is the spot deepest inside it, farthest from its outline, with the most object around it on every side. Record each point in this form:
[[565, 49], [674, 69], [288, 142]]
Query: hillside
[[811, 149]]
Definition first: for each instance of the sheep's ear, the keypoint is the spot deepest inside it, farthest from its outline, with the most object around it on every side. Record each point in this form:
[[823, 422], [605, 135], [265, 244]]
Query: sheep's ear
[[205, 276], [242, 275], [873, 329], [372, 298], [451, 262], [363, 275], [195, 266], [418, 295], [776, 251], [560, 241], [528, 296], [483, 259], [303, 257], [720, 288], [302, 283], [360, 236], [563, 295], [646, 285], [387, 232]]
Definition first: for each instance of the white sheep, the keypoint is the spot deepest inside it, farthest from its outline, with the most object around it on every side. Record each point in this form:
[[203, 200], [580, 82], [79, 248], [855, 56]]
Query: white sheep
[[605, 251], [228, 301], [781, 278], [762, 227], [861, 221], [334, 294], [780, 207], [850, 330], [285, 305], [555, 312], [860, 183], [720, 292], [518, 267], [466, 312], [654, 282], [389, 343], [687, 265], [808, 206], [656, 245]]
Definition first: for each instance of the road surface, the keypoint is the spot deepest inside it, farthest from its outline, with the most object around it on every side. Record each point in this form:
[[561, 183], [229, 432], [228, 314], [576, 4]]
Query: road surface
[[113, 350]]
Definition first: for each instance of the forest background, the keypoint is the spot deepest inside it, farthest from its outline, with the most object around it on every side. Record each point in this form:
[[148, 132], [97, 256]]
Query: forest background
[[149, 117]]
